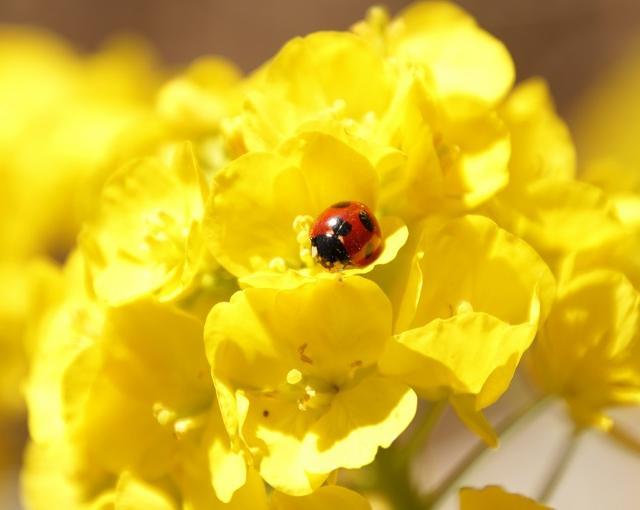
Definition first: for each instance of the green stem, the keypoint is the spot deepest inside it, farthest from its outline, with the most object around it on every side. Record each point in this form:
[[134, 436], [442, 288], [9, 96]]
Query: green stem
[[393, 465], [477, 452], [422, 433], [560, 467]]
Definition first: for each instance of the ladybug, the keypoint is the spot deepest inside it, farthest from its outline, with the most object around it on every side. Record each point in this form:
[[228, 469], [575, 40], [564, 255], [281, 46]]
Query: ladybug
[[346, 234]]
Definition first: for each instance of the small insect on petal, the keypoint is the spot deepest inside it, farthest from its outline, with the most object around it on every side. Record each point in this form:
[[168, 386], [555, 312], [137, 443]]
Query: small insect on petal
[[346, 234]]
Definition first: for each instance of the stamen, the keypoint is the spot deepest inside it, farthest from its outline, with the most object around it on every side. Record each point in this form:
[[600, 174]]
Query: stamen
[[303, 357], [278, 265], [185, 425], [302, 226], [464, 307], [294, 376], [163, 415]]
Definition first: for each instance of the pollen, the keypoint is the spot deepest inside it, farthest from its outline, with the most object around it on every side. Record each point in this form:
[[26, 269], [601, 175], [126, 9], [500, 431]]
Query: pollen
[[294, 376], [464, 307], [302, 226]]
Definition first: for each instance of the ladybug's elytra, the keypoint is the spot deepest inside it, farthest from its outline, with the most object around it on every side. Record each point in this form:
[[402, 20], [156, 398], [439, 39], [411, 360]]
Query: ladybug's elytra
[[345, 235]]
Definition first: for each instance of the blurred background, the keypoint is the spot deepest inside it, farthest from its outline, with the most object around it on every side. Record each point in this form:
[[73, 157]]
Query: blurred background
[[567, 41], [571, 43]]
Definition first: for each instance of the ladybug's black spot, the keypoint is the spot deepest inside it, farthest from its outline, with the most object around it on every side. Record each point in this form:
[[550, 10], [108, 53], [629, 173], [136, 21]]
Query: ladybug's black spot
[[330, 250], [339, 226], [365, 219], [341, 205], [265, 413]]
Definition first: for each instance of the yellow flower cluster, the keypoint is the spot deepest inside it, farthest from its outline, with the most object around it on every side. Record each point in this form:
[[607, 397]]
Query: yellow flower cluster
[[61, 115], [192, 351]]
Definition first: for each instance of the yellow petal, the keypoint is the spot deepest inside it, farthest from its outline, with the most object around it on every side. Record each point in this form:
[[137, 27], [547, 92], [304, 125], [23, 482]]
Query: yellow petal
[[255, 340], [133, 493], [334, 171], [195, 102], [323, 74], [468, 64], [470, 353], [604, 116], [67, 324], [557, 216], [276, 429], [449, 163], [465, 407], [44, 484], [249, 218], [475, 157], [496, 498], [194, 481], [471, 262], [139, 243], [325, 497], [588, 350], [228, 467], [123, 396], [617, 253], [541, 144], [361, 419], [156, 352]]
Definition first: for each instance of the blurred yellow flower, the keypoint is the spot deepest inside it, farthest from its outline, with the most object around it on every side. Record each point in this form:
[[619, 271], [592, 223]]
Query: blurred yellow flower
[[589, 349], [147, 236], [604, 121], [121, 389], [328, 496], [496, 498], [296, 374], [543, 203], [61, 115]]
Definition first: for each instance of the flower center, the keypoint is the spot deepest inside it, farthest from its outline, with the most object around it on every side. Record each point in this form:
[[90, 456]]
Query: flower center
[[164, 240], [181, 426], [310, 392], [302, 226]]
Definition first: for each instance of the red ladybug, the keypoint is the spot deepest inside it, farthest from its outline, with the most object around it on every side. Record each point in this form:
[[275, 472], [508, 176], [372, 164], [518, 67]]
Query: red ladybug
[[346, 234]]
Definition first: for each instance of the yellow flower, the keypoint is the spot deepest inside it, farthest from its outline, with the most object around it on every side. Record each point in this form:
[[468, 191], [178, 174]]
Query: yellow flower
[[329, 496], [312, 81], [450, 75], [619, 182], [16, 296], [191, 106], [469, 68], [558, 217], [194, 103], [435, 139], [146, 238], [435, 162], [296, 376], [540, 141], [466, 310], [61, 115], [604, 122], [543, 203], [496, 498], [619, 252], [262, 205], [589, 349], [126, 389]]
